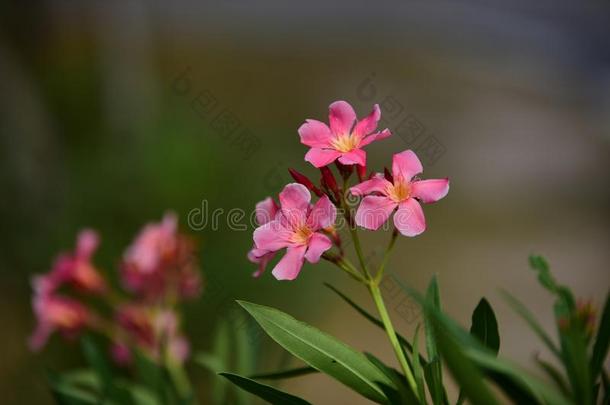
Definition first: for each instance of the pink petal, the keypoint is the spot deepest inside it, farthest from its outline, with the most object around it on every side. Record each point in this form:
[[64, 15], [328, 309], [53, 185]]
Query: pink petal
[[375, 137], [321, 157], [290, 265], [376, 184], [354, 157], [265, 211], [263, 262], [368, 124], [294, 200], [341, 117], [87, 242], [409, 219], [429, 191], [40, 336], [272, 236], [318, 244], [405, 165], [322, 215], [374, 211], [315, 134]]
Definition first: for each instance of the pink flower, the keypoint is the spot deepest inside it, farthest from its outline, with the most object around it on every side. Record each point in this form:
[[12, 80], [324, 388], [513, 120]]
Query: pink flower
[[153, 331], [383, 196], [54, 313], [154, 244], [76, 268], [121, 354], [296, 228], [343, 140], [265, 211], [161, 260]]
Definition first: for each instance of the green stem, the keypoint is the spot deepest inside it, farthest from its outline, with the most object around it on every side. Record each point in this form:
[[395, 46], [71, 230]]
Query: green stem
[[353, 231], [346, 266], [389, 328], [386, 256]]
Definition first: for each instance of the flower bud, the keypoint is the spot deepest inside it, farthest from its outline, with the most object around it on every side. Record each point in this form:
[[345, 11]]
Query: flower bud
[[361, 172], [345, 170], [302, 179], [328, 180], [388, 176]]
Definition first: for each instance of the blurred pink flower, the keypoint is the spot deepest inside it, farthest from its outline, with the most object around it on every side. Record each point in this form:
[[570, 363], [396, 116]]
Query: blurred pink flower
[[383, 196], [344, 139], [296, 228], [121, 354], [55, 313], [161, 261], [265, 211], [76, 268], [152, 331]]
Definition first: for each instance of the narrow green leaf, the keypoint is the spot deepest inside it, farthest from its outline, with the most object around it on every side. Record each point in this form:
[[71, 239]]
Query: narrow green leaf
[[68, 393], [485, 327], [465, 372], [279, 375], [266, 392], [418, 371], [97, 361], [555, 375], [321, 351], [522, 310], [404, 395], [221, 351], [576, 361], [602, 341], [538, 389], [435, 380], [377, 322]]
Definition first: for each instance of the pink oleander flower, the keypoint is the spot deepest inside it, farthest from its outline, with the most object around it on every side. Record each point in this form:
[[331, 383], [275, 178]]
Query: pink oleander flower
[[76, 268], [153, 331], [296, 228], [403, 192], [265, 212], [55, 313], [344, 139], [161, 260]]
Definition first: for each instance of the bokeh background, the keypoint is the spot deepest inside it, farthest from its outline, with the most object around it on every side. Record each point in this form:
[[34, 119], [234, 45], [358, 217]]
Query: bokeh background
[[112, 113]]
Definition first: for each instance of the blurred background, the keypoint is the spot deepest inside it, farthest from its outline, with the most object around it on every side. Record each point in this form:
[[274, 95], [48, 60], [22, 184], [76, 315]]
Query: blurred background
[[112, 113]]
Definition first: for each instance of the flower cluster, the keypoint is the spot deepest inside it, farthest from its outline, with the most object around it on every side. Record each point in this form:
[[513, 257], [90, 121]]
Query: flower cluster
[[307, 231], [158, 270]]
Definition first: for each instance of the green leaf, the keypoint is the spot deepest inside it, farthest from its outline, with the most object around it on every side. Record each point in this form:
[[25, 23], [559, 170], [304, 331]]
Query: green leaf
[[69, 393], [376, 321], [522, 310], [576, 361], [418, 371], [466, 373], [555, 375], [99, 363], [321, 351], [266, 392], [485, 327], [279, 375], [602, 341], [404, 395], [538, 389], [435, 374]]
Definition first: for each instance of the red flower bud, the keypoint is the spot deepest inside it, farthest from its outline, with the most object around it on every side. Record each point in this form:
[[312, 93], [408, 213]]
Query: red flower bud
[[361, 172], [345, 170], [302, 179], [328, 180], [388, 176]]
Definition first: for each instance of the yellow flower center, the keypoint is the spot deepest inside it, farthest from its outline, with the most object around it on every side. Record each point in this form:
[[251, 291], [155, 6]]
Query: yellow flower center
[[399, 191], [345, 143], [301, 235]]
